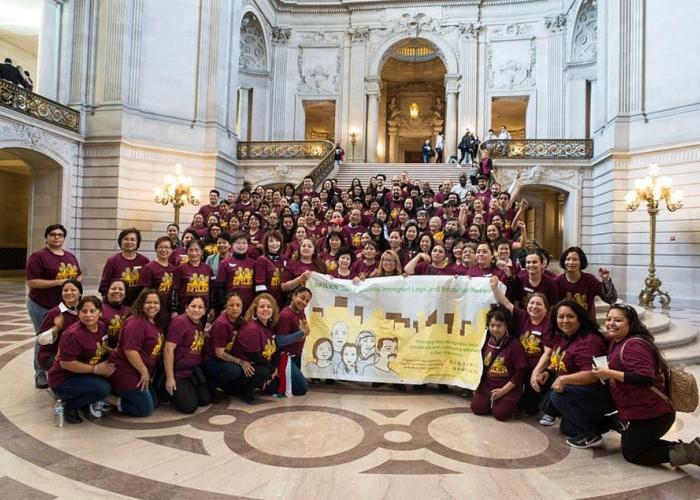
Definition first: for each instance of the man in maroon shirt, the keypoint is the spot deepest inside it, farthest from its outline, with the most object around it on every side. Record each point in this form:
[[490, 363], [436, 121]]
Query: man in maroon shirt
[[354, 229], [213, 207], [47, 270]]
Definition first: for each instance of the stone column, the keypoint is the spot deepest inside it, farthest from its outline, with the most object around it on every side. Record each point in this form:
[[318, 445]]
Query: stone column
[[280, 39], [468, 45], [372, 84], [393, 150], [46, 77], [556, 26], [451, 92]]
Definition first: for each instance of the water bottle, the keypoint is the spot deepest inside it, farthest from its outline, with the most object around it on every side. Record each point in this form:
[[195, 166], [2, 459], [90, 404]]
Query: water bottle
[[58, 414]]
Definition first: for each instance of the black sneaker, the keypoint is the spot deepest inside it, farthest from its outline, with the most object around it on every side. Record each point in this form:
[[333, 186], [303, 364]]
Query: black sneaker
[[247, 398], [71, 415], [583, 442]]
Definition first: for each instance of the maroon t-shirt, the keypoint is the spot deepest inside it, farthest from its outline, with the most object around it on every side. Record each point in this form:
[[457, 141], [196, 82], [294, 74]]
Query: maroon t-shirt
[[188, 338], [334, 273], [424, 268], [353, 234], [289, 323], [78, 344], [192, 281], [509, 365], [254, 338], [583, 291], [573, 355], [223, 333], [331, 263], [178, 256], [268, 275], [46, 265], [159, 278], [296, 268], [360, 266], [636, 402], [533, 338], [237, 274], [480, 272], [49, 350], [117, 267], [546, 286], [207, 210], [138, 335], [113, 320]]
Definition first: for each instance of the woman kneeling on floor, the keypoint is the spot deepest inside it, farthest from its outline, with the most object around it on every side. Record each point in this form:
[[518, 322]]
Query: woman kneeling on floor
[[636, 373], [78, 374], [505, 368], [182, 357]]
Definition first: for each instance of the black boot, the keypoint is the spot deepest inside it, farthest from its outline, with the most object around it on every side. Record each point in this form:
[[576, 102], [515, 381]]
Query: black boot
[[71, 415]]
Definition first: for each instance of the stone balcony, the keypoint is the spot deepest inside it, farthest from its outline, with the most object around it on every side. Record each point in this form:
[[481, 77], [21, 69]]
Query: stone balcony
[[37, 106]]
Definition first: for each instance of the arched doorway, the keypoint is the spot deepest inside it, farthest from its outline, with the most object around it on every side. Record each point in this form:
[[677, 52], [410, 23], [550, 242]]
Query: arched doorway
[[546, 216], [413, 99], [30, 200]]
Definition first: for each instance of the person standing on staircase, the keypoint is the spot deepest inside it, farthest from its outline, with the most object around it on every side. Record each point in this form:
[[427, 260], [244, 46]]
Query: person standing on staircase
[[338, 155], [439, 146], [427, 151]]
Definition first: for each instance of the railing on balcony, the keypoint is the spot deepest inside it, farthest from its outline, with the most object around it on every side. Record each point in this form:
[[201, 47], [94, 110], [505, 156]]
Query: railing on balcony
[[283, 150], [17, 98], [292, 150], [540, 149]]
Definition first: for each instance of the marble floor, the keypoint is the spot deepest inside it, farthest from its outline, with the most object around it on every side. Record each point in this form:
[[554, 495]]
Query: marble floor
[[339, 441]]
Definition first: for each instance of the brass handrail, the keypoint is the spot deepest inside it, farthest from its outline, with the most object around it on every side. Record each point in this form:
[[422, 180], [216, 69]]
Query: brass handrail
[[540, 149], [283, 150], [325, 166], [14, 97]]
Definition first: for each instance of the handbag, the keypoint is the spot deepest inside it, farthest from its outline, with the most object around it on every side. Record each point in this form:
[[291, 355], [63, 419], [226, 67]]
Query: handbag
[[681, 385]]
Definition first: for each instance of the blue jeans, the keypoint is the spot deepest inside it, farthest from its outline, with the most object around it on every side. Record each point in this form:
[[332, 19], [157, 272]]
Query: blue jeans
[[81, 390], [222, 374], [136, 402], [36, 314], [582, 409]]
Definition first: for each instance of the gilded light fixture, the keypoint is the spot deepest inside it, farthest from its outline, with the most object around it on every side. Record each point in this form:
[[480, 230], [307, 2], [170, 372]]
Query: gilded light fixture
[[413, 110], [353, 141], [176, 190], [652, 190]]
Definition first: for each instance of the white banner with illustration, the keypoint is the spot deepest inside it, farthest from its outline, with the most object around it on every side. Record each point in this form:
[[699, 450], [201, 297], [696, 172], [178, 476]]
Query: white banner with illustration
[[415, 330]]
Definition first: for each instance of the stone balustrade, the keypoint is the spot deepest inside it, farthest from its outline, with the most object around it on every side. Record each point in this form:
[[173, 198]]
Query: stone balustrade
[[540, 149], [19, 99]]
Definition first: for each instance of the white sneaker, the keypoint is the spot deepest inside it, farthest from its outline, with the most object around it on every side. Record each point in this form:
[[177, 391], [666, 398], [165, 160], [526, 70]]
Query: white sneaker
[[548, 420], [95, 409]]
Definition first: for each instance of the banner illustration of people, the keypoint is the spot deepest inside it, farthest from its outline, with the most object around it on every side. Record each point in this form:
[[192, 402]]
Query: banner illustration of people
[[422, 329]]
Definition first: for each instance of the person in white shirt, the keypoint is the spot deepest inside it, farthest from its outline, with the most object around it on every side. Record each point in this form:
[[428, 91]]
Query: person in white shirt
[[439, 146]]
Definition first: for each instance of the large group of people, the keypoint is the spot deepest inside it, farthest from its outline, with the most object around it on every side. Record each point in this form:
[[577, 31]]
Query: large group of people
[[221, 308]]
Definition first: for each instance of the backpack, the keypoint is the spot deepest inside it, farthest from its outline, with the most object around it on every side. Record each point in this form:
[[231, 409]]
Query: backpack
[[682, 386]]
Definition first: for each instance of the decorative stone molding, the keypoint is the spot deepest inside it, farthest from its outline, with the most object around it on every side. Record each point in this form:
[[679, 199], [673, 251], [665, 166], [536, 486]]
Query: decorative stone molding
[[452, 83], [413, 24], [281, 36], [584, 42], [373, 85], [511, 31], [568, 178], [253, 56], [556, 23], [469, 31], [315, 75], [61, 150], [359, 35], [320, 38], [513, 72]]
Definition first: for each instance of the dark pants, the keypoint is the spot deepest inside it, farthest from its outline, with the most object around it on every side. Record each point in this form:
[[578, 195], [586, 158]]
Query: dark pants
[[502, 409], [81, 390], [223, 375], [582, 409], [248, 384], [438, 153], [426, 158], [189, 395], [136, 402], [531, 399], [642, 443]]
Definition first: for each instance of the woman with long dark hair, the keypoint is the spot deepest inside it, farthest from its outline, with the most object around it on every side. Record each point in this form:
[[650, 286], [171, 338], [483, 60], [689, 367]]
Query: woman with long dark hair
[[636, 375]]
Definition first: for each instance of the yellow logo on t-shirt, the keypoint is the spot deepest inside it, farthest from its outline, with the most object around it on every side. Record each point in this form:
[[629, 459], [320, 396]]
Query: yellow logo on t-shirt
[[101, 350], [242, 277], [356, 240], [115, 326], [66, 271], [210, 249], [276, 279], [198, 283], [498, 368], [531, 343], [580, 298], [556, 361], [166, 282], [131, 276], [331, 265], [158, 348], [197, 342], [269, 350]]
